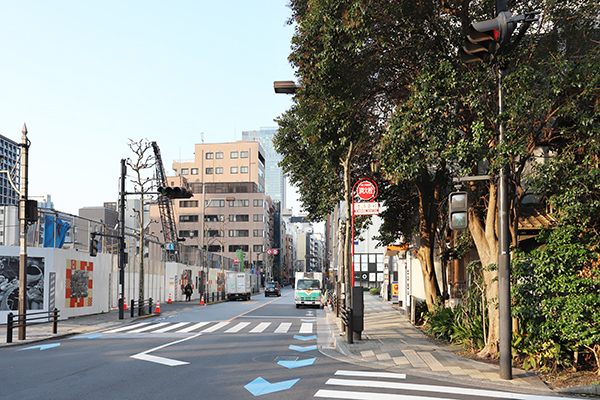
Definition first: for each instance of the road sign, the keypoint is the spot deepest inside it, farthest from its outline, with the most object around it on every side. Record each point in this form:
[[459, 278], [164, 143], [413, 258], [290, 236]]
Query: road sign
[[367, 208], [366, 190], [269, 252], [275, 252]]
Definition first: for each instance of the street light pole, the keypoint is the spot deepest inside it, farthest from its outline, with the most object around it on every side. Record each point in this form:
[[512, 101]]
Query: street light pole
[[122, 241], [23, 232]]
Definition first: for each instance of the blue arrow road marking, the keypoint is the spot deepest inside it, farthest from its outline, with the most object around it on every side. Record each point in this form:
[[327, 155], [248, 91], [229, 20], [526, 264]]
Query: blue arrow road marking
[[87, 336], [42, 347], [302, 349], [305, 337], [297, 364], [259, 386]]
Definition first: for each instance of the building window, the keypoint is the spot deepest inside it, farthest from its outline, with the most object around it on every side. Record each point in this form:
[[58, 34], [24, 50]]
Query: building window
[[185, 171], [215, 248], [258, 233], [234, 154], [209, 171], [188, 234], [239, 203], [209, 156], [258, 203], [239, 218], [238, 233], [219, 155], [213, 233], [244, 170], [257, 248], [235, 247], [213, 218], [233, 170], [219, 170], [243, 154], [188, 203], [194, 171], [258, 218], [214, 203], [188, 218]]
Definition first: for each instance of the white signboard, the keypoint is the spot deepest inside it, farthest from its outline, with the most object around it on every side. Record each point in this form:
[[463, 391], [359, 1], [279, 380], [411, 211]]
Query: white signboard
[[366, 208]]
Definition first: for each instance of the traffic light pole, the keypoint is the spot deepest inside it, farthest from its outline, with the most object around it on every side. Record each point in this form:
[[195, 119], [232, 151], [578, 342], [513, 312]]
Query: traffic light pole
[[505, 339]]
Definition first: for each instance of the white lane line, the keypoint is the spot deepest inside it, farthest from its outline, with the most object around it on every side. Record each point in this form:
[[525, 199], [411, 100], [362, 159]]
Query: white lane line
[[145, 356], [437, 389], [284, 327], [306, 327], [371, 374], [342, 394], [260, 327], [238, 327], [128, 327], [192, 327], [215, 327], [149, 327], [171, 327]]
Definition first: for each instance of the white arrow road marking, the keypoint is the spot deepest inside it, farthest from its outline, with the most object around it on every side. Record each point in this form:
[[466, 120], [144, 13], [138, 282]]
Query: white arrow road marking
[[145, 356]]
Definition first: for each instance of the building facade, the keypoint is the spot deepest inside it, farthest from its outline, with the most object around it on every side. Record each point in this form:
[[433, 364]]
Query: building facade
[[228, 212], [274, 177], [9, 158]]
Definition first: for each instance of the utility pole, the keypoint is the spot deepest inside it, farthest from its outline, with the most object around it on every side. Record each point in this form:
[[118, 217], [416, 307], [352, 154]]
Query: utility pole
[[122, 240], [23, 233]]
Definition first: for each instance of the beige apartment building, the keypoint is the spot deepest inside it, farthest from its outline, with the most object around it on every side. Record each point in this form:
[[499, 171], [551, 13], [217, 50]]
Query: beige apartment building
[[231, 212]]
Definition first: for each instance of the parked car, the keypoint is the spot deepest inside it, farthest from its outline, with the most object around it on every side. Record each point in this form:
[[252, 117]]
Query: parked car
[[272, 288]]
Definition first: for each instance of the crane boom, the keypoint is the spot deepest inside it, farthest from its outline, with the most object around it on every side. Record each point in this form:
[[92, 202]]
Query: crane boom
[[164, 206]]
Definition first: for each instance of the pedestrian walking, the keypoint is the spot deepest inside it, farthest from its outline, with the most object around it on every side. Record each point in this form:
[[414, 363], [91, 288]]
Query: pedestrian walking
[[188, 292]]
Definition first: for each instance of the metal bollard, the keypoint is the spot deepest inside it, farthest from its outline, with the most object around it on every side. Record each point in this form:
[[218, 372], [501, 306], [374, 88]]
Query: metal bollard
[[54, 321], [9, 327], [150, 306], [132, 308], [349, 332]]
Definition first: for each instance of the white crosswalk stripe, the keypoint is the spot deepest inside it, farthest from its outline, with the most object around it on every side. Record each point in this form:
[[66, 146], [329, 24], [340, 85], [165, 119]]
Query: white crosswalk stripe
[[212, 327], [260, 327], [390, 386], [284, 327]]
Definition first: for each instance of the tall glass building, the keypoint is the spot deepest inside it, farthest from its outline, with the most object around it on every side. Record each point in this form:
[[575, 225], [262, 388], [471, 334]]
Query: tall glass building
[[275, 180], [9, 152]]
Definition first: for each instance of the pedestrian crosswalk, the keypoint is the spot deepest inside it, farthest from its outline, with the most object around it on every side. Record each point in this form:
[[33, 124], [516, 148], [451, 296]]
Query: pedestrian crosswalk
[[374, 385], [205, 327]]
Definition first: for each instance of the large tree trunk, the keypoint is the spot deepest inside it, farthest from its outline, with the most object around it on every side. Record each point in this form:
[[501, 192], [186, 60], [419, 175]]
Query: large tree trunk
[[486, 242], [348, 237], [429, 197]]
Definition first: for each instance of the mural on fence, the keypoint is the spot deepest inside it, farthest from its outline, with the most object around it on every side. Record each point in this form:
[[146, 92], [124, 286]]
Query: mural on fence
[[80, 284], [9, 283]]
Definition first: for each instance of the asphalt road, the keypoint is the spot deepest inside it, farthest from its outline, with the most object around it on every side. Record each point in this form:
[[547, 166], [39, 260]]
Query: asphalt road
[[236, 350]]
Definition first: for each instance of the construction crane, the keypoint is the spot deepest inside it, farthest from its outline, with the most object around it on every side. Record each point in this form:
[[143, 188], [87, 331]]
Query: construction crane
[[164, 206]]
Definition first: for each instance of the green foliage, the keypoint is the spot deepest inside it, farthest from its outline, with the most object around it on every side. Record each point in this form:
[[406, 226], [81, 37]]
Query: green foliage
[[375, 291]]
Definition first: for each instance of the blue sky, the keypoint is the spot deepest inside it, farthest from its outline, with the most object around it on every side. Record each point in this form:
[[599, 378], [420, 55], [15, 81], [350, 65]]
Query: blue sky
[[86, 76]]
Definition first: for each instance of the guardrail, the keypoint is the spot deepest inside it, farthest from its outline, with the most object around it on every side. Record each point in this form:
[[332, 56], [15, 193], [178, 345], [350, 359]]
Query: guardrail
[[140, 305], [24, 320]]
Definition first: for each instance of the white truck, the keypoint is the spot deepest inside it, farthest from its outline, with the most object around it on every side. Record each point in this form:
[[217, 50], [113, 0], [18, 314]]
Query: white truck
[[238, 285], [308, 289]]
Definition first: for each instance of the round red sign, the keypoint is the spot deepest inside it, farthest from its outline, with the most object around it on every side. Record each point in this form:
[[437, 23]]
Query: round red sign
[[366, 190], [275, 252], [269, 251]]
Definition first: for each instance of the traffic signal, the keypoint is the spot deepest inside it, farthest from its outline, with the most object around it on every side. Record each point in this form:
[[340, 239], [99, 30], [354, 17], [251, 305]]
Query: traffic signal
[[175, 192], [458, 215], [93, 245], [488, 38]]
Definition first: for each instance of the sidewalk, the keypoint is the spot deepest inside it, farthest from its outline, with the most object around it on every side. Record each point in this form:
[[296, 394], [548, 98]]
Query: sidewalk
[[390, 341]]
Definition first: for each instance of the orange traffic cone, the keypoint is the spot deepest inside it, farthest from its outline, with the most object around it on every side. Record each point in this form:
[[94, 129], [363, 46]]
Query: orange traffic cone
[[125, 303], [157, 310], [202, 300], [169, 301]]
